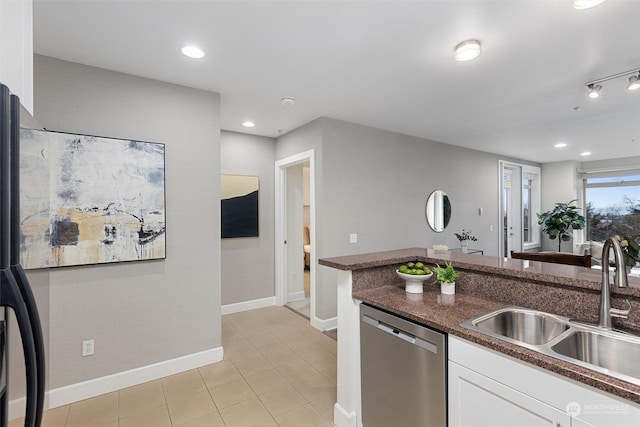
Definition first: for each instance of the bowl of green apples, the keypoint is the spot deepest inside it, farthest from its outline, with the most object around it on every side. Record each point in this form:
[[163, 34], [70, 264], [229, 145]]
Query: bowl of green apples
[[414, 274]]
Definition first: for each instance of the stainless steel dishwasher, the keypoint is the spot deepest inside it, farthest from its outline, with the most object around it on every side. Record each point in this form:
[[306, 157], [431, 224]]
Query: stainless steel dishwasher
[[403, 371]]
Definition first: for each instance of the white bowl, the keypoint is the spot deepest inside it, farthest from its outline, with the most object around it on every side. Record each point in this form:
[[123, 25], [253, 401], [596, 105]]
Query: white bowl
[[412, 282]]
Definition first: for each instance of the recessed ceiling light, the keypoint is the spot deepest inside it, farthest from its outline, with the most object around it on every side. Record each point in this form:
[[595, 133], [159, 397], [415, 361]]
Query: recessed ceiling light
[[193, 52], [585, 153], [467, 50], [248, 124], [560, 145], [586, 4]]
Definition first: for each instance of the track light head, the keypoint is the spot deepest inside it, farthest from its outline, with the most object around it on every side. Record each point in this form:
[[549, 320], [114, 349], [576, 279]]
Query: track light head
[[634, 83], [594, 90]]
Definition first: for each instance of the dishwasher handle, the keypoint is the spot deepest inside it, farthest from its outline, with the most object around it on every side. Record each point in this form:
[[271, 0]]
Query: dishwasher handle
[[399, 333]]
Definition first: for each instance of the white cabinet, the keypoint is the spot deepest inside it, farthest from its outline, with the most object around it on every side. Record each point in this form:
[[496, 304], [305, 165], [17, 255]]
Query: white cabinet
[[16, 49], [487, 388], [478, 401]]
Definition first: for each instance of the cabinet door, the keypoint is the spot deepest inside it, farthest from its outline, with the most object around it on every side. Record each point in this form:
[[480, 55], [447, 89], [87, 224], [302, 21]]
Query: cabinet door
[[477, 401], [16, 49], [577, 422]]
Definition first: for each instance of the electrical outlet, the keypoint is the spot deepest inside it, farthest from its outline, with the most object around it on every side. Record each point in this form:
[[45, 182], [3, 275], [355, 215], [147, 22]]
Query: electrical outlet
[[353, 238], [87, 348]]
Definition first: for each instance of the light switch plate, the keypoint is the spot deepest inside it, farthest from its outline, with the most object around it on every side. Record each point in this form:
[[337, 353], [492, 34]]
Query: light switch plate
[[353, 238]]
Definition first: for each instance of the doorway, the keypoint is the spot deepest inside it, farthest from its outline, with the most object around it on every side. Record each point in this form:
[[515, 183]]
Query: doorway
[[519, 203], [295, 252], [511, 209]]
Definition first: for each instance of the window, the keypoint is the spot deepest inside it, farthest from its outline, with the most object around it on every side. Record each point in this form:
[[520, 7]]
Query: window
[[612, 204]]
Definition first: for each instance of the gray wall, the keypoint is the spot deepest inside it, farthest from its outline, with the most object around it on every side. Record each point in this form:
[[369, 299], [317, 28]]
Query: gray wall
[[375, 183], [138, 313], [558, 185], [248, 263]]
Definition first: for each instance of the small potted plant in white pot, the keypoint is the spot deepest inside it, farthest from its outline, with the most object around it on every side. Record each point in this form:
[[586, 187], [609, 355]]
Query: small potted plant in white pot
[[446, 276], [465, 237]]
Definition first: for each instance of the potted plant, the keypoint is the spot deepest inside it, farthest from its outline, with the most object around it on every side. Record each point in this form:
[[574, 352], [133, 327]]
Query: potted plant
[[464, 239], [559, 222], [630, 249], [447, 276]]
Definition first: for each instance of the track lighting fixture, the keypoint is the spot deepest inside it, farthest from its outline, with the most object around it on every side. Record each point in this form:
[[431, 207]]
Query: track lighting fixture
[[594, 91], [634, 82]]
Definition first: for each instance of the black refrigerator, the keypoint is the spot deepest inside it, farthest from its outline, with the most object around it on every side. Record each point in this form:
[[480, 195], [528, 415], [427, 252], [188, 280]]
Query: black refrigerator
[[15, 293]]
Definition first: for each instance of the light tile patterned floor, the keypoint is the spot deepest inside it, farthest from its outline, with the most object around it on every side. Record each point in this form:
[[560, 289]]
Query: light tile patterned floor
[[277, 371], [303, 306]]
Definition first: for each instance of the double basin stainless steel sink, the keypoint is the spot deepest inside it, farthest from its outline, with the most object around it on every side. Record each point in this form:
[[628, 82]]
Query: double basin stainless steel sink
[[613, 353]]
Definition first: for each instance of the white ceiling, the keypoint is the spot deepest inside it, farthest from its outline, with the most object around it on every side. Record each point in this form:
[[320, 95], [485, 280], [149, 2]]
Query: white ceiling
[[386, 64]]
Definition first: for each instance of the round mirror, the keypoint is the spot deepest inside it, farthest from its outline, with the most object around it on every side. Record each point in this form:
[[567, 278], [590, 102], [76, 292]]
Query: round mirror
[[438, 211]]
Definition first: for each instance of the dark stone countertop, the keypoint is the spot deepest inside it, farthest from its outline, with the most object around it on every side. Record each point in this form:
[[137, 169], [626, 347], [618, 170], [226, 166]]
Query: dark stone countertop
[[558, 274], [446, 313]]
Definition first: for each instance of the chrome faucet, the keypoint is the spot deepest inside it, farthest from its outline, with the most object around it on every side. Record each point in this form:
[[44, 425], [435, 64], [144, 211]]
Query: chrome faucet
[[606, 312]]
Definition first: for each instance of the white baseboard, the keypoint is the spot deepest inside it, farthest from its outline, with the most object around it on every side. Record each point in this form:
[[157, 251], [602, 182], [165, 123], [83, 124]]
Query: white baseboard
[[84, 390], [295, 296], [342, 418], [247, 305], [324, 324]]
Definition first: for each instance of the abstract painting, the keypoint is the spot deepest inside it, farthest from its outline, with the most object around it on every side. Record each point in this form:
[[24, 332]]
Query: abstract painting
[[90, 200], [239, 205]]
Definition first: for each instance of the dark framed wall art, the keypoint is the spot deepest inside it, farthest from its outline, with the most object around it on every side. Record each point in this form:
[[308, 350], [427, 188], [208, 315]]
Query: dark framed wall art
[[239, 205], [90, 200]]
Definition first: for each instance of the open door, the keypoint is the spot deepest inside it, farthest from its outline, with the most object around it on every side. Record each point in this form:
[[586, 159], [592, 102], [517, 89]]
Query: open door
[[290, 214]]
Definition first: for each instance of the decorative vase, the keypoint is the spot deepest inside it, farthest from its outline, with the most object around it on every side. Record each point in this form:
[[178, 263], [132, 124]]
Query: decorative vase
[[413, 284], [464, 246], [448, 288]]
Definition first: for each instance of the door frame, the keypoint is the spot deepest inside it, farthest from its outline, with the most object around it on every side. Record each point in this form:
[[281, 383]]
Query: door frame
[[508, 202], [517, 185], [281, 228]]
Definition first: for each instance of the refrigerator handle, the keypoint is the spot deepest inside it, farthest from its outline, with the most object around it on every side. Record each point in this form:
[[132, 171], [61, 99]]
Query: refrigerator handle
[[14, 251], [12, 298], [38, 341]]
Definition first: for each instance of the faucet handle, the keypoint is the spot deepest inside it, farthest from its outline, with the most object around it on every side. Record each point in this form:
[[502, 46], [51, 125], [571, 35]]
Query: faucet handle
[[623, 314]]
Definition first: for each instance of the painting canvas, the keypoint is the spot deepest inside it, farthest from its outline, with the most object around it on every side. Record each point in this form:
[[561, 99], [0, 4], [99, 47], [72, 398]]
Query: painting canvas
[[90, 200], [239, 205]]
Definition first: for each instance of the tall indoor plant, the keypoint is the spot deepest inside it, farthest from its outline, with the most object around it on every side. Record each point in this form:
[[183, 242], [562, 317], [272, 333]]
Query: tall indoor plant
[[560, 222]]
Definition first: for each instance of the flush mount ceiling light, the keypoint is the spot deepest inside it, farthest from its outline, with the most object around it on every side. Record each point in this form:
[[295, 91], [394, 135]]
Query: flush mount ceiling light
[[248, 124], [193, 52], [634, 82], [560, 145], [467, 50], [586, 4], [585, 153]]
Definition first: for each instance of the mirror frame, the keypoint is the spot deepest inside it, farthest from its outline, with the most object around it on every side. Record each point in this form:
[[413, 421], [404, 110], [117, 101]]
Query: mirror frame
[[438, 210]]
